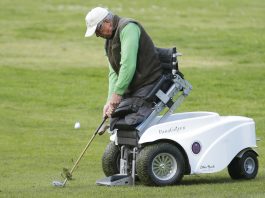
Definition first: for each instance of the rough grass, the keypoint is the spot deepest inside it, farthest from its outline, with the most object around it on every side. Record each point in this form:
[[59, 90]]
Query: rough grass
[[51, 77]]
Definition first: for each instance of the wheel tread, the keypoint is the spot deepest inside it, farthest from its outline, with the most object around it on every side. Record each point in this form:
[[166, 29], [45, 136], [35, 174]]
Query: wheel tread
[[143, 164], [109, 159]]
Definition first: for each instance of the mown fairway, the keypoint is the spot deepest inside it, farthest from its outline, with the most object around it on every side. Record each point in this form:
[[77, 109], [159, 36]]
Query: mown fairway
[[51, 77]]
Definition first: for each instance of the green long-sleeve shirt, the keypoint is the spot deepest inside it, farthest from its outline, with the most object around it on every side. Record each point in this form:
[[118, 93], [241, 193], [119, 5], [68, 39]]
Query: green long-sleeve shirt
[[129, 38]]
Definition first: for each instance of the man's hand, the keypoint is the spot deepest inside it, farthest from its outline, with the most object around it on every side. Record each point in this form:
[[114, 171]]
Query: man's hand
[[105, 109], [115, 100], [111, 105]]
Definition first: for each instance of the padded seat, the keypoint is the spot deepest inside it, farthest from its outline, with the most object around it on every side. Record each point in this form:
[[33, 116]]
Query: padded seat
[[128, 137], [127, 134], [122, 125]]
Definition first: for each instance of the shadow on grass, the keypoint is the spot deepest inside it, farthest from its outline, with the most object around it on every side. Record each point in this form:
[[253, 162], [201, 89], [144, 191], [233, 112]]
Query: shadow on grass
[[188, 180], [196, 181], [214, 180]]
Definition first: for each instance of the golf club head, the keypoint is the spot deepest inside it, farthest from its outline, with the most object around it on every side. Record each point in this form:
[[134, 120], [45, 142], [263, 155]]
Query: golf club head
[[57, 184]]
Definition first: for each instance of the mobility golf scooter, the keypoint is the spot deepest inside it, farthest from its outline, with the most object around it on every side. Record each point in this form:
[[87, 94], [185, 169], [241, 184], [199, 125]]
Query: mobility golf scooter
[[167, 145]]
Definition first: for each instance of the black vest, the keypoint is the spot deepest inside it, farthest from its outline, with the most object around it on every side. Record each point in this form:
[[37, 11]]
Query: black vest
[[148, 67]]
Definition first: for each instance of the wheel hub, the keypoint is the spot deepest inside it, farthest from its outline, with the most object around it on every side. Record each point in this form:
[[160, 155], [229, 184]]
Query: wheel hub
[[164, 166], [249, 165]]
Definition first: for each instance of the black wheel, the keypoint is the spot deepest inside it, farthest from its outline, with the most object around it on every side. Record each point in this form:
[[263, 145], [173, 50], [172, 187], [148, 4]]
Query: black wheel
[[160, 164], [245, 167], [111, 160], [233, 169]]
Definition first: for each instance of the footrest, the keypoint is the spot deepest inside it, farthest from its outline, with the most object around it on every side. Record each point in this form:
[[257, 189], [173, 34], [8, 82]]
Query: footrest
[[115, 180]]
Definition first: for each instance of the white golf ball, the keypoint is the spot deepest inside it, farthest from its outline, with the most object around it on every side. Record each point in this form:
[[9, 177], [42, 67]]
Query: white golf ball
[[57, 183], [77, 125]]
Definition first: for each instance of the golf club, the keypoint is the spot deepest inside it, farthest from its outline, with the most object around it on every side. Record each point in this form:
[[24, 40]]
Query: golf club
[[69, 174]]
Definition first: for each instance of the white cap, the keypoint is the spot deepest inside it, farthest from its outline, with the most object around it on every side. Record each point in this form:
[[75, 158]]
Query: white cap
[[93, 17]]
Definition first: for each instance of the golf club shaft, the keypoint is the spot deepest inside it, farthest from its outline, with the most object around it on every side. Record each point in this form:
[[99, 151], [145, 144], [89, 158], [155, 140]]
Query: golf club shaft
[[83, 152]]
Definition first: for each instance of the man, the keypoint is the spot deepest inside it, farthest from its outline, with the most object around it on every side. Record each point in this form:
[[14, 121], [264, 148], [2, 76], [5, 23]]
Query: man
[[134, 64]]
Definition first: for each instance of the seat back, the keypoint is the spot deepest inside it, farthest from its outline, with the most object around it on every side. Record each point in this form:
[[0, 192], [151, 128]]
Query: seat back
[[165, 57], [168, 60], [169, 63]]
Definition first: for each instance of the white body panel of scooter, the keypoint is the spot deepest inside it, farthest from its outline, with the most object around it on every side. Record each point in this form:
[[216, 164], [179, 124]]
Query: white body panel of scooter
[[216, 139]]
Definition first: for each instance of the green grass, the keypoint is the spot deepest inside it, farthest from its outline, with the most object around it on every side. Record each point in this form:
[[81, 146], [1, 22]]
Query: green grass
[[51, 76]]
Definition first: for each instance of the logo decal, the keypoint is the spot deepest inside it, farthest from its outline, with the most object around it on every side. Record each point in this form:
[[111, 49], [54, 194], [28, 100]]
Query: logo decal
[[196, 147], [172, 130]]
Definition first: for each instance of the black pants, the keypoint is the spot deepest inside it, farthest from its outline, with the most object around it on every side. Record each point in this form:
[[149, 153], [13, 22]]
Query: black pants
[[144, 110]]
